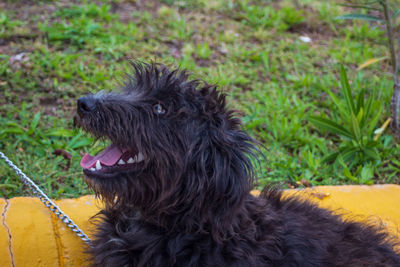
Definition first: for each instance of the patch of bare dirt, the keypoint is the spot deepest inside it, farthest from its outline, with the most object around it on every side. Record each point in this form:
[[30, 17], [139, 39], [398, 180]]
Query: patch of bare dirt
[[175, 48], [127, 8], [315, 31]]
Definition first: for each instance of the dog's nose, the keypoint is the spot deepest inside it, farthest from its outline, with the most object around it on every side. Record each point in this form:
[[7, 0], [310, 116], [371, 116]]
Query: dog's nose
[[86, 105]]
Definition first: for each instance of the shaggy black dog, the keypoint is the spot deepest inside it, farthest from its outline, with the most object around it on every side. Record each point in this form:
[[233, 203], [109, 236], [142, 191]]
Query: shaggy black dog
[[176, 184]]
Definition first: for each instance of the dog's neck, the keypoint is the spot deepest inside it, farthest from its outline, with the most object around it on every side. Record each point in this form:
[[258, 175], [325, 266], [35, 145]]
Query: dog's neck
[[205, 218]]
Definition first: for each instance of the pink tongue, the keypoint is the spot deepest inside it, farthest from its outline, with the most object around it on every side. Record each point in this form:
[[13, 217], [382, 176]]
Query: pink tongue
[[108, 157]]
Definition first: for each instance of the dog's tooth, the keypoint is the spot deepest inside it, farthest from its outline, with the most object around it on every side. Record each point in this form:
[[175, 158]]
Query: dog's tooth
[[130, 160], [92, 169], [121, 162], [98, 165], [140, 157]]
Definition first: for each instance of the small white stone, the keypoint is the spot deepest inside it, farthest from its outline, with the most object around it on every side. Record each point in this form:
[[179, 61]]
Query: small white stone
[[98, 165], [305, 39], [92, 169], [121, 162]]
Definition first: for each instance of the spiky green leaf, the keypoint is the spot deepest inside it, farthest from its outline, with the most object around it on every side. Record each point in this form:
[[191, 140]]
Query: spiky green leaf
[[360, 101], [355, 127], [342, 111], [330, 126], [348, 97], [60, 132], [34, 123], [330, 157], [374, 120], [368, 106], [348, 153], [371, 153]]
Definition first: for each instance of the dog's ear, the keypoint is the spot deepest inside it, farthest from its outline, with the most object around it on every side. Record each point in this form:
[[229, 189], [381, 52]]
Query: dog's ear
[[220, 174], [229, 162], [226, 149]]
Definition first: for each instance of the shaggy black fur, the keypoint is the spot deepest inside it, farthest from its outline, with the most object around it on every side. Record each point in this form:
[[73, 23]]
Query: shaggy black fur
[[188, 203]]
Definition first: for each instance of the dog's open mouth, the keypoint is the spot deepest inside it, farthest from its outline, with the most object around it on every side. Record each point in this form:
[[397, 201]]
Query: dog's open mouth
[[110, 160]]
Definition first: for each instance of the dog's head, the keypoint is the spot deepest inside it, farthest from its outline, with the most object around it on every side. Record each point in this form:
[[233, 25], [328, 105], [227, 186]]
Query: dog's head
[[175, 146]]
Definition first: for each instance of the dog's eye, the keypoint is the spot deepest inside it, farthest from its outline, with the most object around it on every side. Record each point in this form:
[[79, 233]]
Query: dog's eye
[[158, 109]]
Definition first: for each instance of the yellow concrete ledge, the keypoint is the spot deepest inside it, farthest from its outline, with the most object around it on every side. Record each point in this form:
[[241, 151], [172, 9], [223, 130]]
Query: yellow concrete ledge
[[31, 236]]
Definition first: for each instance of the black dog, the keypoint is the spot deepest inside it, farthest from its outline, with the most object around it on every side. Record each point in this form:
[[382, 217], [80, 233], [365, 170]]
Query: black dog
[[176, 184]]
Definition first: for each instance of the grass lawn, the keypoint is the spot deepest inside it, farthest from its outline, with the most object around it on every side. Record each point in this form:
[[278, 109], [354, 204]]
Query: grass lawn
[[256, 51]]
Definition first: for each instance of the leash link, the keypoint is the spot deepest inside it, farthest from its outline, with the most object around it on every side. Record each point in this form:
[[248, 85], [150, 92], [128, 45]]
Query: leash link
[[46, 200]]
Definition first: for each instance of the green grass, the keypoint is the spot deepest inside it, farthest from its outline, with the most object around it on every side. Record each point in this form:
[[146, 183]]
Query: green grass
[[251, 49]]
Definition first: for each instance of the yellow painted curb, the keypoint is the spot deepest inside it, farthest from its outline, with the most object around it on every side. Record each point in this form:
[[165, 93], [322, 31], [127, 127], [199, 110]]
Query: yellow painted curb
[[30, 235], [70, 247], [378, 202], [38, 237], [5, 258]]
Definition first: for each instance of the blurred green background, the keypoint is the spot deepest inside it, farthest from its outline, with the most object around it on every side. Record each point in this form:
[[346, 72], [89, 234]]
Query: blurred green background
[[278, 62]]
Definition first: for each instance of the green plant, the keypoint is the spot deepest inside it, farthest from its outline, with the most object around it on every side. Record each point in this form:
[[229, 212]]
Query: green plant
[[7, 25], [290, 16], [266, 72], [28, 133], [354, 123], [256, 16], [204, 51], [363, 174], [78, 31], [180, 28], [87, 10], [389, 12], [263, 17]]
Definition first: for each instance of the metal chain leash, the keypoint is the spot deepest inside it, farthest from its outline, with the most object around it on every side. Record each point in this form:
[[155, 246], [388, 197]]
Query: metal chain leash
[[46, 200]]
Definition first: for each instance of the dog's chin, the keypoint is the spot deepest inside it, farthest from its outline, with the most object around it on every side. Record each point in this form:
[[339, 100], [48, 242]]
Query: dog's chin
[[112, 172], [113, 184]]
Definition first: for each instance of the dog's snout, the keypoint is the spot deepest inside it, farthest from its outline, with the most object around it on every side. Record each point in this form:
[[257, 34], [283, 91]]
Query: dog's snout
[[86, 105]]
